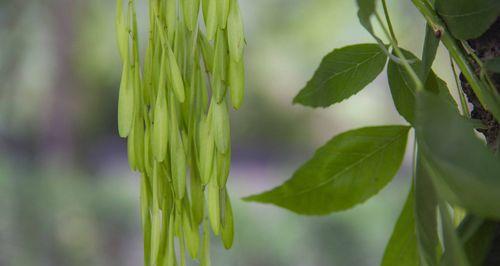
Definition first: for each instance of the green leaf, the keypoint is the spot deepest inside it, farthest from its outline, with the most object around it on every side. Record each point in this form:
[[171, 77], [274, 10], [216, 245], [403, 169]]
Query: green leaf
[[468, 19], [493, 65], [365, 11], [366, 8], [477, 236], [462, 168], [341, 74], [454, 252], [431, 44], [348, 170], [402, 247], [403, 89], [425, 216]]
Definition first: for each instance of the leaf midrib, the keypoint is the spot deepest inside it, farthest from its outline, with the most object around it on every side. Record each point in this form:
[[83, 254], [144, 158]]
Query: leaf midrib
[[354, 66], [331, 179], [473, 13]]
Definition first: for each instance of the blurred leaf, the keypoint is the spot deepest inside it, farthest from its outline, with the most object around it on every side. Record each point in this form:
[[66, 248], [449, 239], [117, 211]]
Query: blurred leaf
[[402, 247], [468, 19], [454, 253], [365, 11], [341, 74], [403, 88], [462, 168], [493, 65], [348, 170], [366, 8], [431, 44], [477, 235], [425, 215]]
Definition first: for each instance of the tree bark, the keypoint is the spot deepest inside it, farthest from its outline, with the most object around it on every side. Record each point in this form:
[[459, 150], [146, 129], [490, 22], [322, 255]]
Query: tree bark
[[487, 46]]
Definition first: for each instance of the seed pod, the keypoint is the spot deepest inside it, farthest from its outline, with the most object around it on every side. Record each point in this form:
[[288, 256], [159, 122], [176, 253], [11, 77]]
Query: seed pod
[[185, 144], [160, 126], [121, 30], [227, 221], [148, 165], [160, 260], [211, 19], [162, 109], [146, 219], [155, 226], [203, 97], [125, 103], [171, 19], [131, 151], [205, 252], [207, 52], [180, 45], [191, 9], [167, 193], [164, 197], [182, 242], [236, 79], [206, 150], [220, 66], [177, 154], [178, 161], [138, 136], [190, 232], [170, 243], [220, 126], [204, 9], [222, 12], [214, 205], [197, 196], [176, 77], [223, 167], [235, 35]]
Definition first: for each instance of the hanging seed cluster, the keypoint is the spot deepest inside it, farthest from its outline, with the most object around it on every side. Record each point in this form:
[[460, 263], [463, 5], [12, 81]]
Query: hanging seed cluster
[[173, 110]]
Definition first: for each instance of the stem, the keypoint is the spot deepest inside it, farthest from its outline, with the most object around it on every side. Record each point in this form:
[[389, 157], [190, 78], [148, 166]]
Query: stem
[[463, 101], [484, 93], [389, 23], [414, 157], [399, 53]]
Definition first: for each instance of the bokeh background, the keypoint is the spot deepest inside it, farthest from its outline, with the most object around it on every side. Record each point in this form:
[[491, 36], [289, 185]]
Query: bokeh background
[[67, 196]]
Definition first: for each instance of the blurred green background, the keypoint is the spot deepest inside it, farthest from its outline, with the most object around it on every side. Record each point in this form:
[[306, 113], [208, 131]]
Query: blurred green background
[[67, 196]]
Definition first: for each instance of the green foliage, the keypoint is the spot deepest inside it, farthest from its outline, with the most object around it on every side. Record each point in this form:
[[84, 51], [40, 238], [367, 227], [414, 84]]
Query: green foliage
[[477, 236], [404, 90], [455, 254], [348, 170], [365, 11], [431, 44], [493, 65], [464, 170], [425, 215], [341, 74], [452, 166], [468, 19], [402, 247]]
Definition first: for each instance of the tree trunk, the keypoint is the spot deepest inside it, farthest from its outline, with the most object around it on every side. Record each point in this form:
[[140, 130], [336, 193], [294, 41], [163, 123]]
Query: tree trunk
[[487, 46]]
